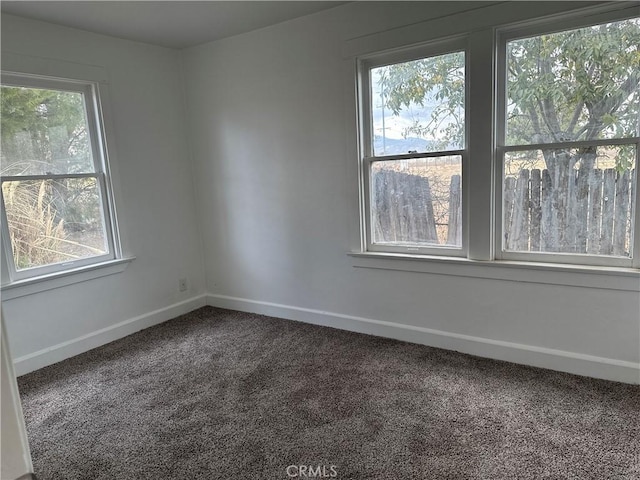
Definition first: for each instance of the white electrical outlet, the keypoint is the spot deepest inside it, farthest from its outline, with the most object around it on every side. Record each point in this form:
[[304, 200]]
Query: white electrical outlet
[[182, 284]]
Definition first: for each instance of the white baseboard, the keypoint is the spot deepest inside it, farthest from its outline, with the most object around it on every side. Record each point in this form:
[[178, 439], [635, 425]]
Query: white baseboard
[[56, 353], [570, 362]]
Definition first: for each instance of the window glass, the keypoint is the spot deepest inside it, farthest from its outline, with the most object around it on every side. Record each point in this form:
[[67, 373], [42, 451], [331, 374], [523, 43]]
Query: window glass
[[417, 111], [572, 90], [574, 85], [574, 200], [54, 221], [417, 201], [44, 131], [418, 106]]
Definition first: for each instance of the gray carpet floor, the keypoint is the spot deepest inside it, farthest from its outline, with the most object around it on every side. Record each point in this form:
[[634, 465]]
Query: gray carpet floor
[[217, 394]]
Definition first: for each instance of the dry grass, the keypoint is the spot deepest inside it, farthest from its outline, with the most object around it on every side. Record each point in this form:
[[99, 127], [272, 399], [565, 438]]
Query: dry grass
[[36, 233], [39, 234]]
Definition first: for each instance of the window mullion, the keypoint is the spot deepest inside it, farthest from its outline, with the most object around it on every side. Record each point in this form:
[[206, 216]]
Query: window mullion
[[108, 218], [410, 156], [574, 144], [54, 176], [8, 264], [477, 172]]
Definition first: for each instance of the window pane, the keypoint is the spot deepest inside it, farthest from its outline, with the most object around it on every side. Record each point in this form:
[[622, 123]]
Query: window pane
[[54, 221], [44, 131], [574, 85], [418, 106], [578, 200], [417, 201]]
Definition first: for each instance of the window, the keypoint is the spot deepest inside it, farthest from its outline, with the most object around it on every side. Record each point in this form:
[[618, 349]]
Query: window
[[570, 143], [542, 122], [56, 201], [414, 149]]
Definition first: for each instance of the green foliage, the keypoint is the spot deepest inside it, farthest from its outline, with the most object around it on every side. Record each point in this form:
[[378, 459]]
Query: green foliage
[[576, 85], [439, 80], [35, 110], [18, 107], [51, 121]]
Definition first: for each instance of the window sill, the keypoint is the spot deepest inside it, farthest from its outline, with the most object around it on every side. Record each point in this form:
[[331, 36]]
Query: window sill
[[30, 286], [610, 278]]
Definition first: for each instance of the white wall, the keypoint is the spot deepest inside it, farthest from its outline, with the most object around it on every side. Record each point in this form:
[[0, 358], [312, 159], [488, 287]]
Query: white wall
[[154, 199], [273, 131]]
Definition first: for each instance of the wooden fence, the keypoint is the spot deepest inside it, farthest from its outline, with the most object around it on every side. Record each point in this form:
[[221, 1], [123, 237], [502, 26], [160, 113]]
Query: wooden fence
[[590, 214], [404, 212]]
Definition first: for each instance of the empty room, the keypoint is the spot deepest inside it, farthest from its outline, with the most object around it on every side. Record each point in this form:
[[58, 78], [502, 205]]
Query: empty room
[[291, 240]]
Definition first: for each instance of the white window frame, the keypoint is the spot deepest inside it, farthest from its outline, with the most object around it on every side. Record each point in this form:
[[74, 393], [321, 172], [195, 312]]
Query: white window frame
[[570, 21], [483, 160], [97, 136], [367, 156]]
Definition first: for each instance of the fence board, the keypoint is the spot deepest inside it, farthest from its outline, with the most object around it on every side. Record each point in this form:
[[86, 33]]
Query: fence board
[[582, 209], [430, 230], [570, 241], [536, 208], [519, 240], [621, 213], [608, 204], [507, 214], [454, 233], [549, 226], [595, 211], [632, 194]]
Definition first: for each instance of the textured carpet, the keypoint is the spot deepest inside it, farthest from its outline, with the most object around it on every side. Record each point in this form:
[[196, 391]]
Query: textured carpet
[[217, 394]]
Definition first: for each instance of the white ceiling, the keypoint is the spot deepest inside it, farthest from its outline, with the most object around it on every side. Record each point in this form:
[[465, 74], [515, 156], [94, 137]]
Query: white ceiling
[[174, 24]]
